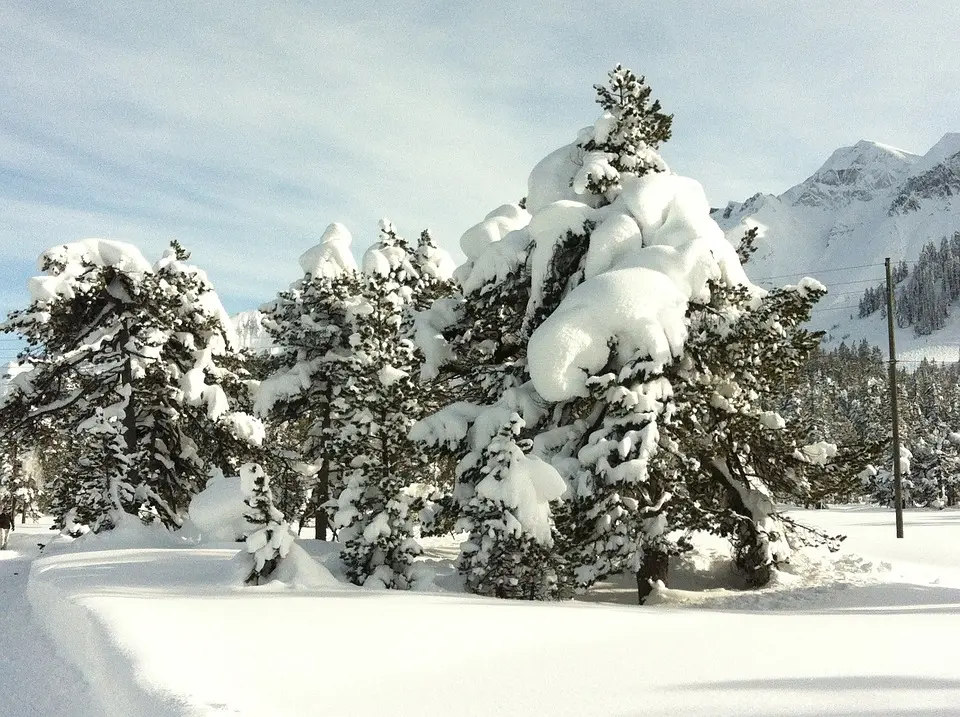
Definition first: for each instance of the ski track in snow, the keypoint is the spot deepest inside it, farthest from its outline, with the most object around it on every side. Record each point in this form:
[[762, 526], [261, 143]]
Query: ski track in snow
[[34, 678]]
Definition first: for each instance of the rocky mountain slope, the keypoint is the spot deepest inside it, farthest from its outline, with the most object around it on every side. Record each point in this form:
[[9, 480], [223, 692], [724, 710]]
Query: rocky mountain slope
[[867, 202]]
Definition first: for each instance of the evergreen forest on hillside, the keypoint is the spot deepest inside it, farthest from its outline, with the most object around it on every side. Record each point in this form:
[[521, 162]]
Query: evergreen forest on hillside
[[924, 293]]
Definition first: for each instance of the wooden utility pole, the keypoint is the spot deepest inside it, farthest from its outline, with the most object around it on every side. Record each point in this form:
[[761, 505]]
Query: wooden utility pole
[[15, 481], [895, 416]]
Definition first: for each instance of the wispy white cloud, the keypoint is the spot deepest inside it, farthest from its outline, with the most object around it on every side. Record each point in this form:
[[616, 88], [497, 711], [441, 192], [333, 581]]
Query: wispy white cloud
[[244, 128]]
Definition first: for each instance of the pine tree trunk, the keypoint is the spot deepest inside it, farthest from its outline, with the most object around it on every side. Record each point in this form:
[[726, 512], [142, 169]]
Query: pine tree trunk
[[655, 565], [322, 487], [320, 520], [750, 545], [130, 412], [15, 478]]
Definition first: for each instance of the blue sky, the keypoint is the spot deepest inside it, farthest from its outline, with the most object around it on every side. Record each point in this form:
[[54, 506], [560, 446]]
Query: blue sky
[[243, 129]]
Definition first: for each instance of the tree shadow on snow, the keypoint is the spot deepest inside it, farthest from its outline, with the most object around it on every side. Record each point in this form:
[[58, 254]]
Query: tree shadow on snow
[[869, 685], [889, 599]]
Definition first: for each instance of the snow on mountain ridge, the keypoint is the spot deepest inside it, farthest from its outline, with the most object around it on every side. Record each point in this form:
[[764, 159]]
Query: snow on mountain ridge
[[946, 147], [858, 173], [865, 203], [938, 181]]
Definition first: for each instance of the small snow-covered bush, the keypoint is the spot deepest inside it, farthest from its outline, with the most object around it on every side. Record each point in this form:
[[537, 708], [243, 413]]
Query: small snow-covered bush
[[269, 538]]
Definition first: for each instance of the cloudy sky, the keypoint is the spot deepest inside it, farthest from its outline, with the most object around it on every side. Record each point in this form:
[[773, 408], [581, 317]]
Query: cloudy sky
[[242, 129]]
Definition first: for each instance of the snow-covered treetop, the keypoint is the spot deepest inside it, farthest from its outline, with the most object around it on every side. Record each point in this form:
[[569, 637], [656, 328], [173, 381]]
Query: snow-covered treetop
[[622, 142], [434, 262], [331, 257], [494, 227], [648, 246], [72, 268], [390, 252], [204, 298], [66, 262]]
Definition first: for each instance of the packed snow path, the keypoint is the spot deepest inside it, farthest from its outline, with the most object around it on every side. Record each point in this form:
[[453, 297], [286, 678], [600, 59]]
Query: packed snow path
[[34, 678]]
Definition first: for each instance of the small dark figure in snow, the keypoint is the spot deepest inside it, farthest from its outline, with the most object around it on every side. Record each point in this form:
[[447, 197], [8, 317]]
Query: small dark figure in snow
[[6, 522]]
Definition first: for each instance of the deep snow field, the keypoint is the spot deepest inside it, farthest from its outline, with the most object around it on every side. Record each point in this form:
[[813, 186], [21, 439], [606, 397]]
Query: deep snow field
[[138, 624]]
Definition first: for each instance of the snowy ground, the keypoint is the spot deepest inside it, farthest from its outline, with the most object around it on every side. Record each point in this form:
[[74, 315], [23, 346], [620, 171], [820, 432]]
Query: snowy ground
[[34, 679], [160, 631]]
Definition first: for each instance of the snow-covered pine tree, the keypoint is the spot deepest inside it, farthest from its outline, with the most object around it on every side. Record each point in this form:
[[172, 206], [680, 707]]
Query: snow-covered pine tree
[[608, 259], [384, 486], [125, 354], [434, 268], [614, 519], [269, 539], [311, 324], [520, 270], [742, 353], [20, 455], [475, 348], [508, 553], [280, 454]]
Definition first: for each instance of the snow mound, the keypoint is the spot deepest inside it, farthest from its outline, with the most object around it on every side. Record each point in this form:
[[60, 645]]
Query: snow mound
[[218, 510], [297, 571], [129, 532]]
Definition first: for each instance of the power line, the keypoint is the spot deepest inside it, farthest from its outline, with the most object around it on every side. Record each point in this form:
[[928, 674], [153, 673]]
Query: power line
[[845, 293], [849, 283], [812, 272]]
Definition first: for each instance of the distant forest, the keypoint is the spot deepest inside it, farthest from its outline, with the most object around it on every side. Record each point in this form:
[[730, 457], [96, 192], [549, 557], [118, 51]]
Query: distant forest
[[924, 295], [843, 396]]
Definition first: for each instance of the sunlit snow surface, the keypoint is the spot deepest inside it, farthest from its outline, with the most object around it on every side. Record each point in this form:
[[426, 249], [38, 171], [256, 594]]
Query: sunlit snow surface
[[161, 631]]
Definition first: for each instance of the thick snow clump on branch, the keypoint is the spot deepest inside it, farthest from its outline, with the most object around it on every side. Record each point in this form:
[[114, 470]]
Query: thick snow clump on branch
[[331, 257], [653, 251], [218, 510], [75, 257]]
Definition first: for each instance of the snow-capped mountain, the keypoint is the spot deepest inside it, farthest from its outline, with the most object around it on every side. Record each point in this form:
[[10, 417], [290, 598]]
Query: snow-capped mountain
[[250, 331], [867, 202]]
